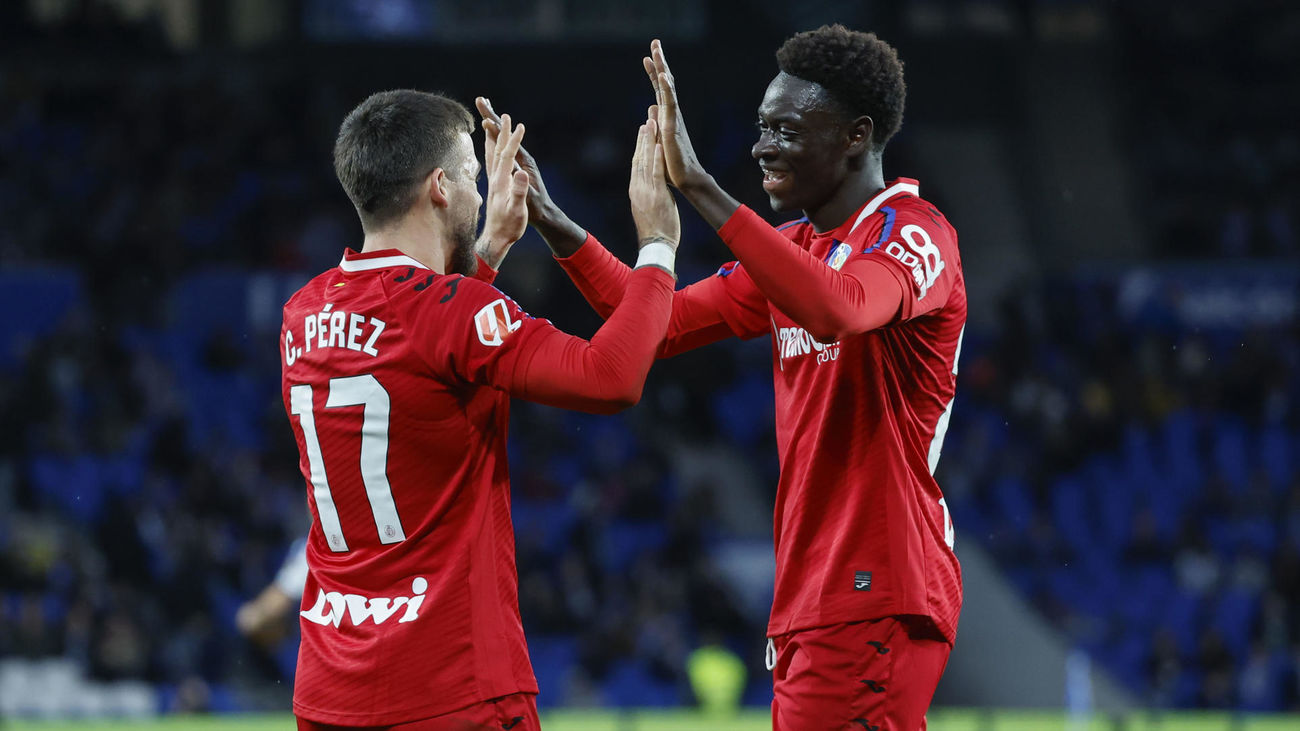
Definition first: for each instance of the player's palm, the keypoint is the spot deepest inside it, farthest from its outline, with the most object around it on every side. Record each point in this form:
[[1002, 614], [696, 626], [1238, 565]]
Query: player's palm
[[506, 216], [538, 198], [653, 207]]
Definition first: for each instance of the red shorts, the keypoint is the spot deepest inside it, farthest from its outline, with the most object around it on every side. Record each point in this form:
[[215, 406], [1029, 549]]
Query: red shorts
[[517, 712], [877, 675]]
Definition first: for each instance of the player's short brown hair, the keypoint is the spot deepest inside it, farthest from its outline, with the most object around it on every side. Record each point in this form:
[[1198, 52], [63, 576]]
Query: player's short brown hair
[[389, 143], [861, 73]]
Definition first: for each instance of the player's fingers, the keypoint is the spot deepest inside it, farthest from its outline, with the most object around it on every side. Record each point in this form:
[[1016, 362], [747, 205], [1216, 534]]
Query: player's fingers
[[489, 146], [507, 129], [484, 106], [638, 155], [653, 73], [511, 148], [661, 61], [519, 185], [525, 160]]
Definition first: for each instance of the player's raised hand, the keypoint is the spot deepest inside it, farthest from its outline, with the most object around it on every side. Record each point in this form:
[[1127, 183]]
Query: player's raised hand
[[506, 216], [653, 206], [684, 169], [561, 234], [538, 199]]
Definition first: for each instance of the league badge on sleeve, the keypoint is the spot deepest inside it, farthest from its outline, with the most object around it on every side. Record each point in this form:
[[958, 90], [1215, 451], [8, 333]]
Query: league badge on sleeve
[[494, 323], [838, 256]]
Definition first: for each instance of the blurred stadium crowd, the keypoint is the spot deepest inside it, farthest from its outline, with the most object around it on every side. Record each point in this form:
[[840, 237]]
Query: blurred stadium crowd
[[1133, 468]]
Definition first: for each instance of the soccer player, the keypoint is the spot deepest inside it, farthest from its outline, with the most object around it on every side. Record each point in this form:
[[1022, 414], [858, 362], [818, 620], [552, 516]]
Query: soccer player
[[866, 303], [398, 369]]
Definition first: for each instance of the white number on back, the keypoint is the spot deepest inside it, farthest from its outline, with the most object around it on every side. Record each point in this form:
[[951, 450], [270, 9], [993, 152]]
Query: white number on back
[[364, 390]]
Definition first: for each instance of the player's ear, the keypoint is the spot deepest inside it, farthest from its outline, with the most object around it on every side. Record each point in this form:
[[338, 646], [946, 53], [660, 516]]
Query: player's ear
[[859, 138], [436, 188]]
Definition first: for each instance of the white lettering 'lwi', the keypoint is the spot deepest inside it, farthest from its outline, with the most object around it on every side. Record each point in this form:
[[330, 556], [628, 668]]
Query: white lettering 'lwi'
[[332, 606]]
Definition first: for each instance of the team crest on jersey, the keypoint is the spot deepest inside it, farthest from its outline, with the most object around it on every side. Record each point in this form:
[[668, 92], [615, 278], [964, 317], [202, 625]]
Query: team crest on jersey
[[493, 323], [838, 256]]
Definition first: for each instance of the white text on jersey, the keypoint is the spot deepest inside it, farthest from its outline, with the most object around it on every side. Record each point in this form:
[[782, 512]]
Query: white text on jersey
[[332, 328], [924, 259], [332, 606], [792, 342]]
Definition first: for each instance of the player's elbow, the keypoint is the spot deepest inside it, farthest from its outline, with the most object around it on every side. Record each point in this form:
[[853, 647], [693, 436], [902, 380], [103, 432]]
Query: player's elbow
[[827, 330], [624, 397]]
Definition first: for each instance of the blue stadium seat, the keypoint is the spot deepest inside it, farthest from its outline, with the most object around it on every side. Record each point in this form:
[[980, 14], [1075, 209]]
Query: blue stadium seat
[[1182, 612], [542, 525], [1070, 514], [553, 657], [1233, 616], [1230, 453], [626, 541], [1275, 456], [73, 484], [631, 685], [43, 296], [1012, 501], [1182, 461]]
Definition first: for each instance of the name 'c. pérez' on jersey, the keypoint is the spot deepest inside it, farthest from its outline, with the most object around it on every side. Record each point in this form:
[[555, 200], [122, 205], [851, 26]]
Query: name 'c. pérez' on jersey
[[332, 606], [332, 328]]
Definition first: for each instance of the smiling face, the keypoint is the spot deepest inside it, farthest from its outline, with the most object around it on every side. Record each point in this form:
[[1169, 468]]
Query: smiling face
[[803, 144]]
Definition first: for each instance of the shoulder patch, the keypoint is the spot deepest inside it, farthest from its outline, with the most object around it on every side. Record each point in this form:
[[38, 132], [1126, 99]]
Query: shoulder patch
[[493, 323]]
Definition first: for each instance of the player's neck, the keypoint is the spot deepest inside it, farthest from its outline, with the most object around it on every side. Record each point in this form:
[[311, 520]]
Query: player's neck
[[429, 247], [858, 188]]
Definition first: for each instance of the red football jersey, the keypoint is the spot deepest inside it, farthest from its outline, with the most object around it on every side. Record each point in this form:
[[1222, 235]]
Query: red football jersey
[[861, 527], [397, 382]]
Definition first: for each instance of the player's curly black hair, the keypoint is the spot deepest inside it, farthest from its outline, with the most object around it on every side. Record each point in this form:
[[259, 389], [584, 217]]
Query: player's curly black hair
[[861, 72]]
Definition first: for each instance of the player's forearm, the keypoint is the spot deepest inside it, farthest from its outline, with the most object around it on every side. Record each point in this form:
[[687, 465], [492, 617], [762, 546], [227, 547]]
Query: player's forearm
[[598, 275], [608, 373], [830, 305], [602, 278], [561, 234], [714, 204]]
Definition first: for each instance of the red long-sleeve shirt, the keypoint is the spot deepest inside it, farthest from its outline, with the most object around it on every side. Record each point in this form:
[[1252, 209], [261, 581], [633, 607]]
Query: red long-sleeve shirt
[[866, 321], [397, 381]]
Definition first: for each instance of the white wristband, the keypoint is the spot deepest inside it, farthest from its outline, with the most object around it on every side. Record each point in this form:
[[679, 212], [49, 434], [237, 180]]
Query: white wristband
[[659, 254]]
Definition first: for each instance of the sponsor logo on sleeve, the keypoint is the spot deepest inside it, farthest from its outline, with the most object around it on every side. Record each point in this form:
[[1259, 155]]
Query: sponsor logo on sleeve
[[923, 259], [493, 323]]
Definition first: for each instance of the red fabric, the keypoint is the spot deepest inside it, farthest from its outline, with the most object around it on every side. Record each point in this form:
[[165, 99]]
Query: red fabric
[[516, 712], [859, 419], [878, 675], [829, 304], [702, 313], [485, 273], [413, 611]]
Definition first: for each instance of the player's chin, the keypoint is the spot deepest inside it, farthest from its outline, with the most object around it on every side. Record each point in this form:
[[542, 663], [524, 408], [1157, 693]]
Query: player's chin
[[781, 203]]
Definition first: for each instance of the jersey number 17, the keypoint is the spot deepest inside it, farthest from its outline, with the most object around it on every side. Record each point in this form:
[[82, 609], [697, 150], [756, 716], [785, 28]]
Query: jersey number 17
[[364, 390]]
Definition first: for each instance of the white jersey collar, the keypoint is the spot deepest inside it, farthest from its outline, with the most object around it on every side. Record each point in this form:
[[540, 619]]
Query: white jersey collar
[[900, 186], [354, 262]]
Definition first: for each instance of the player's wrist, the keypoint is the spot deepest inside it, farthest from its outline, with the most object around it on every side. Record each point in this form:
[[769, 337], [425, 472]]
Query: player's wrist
[[658, 252]]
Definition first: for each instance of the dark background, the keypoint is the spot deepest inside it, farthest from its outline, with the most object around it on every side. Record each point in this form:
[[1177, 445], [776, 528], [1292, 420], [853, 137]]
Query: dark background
[[1125, 179]]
